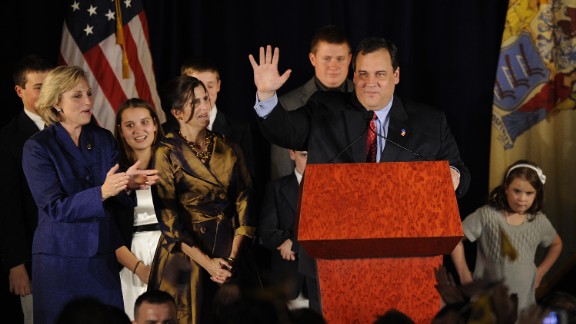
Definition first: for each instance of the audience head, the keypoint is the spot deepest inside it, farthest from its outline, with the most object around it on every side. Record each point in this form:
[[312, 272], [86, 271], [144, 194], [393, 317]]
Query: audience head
[[66, 97], [452, 314], [137, 129], [89, 310], [206, 71], [393, 316], [330, 54], [522, 189], [155, 307], [180, 99], [376, 72], [236, 305], [29, 74], [563, 304]]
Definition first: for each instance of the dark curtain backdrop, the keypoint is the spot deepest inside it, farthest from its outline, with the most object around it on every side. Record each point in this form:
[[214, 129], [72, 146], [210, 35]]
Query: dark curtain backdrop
[[448, 53]]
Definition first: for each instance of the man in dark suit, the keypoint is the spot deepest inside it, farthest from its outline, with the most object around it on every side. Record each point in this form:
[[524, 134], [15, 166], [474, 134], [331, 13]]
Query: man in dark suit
[[330, 55], [276, 231], [335, 127], [17, 208]]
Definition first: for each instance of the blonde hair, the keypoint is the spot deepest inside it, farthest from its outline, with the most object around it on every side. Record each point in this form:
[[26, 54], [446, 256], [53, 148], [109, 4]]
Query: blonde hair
[[58, 81]]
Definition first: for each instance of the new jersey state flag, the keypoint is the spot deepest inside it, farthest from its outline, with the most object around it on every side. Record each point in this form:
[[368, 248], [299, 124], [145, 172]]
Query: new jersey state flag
[[109, 40], [533, 112]]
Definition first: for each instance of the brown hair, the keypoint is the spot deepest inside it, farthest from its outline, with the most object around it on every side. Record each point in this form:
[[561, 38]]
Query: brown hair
[[176, 94], [127, 157], [497, 198]]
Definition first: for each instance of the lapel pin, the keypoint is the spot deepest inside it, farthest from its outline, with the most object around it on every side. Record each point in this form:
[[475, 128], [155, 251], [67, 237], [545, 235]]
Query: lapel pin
[[403, 133]]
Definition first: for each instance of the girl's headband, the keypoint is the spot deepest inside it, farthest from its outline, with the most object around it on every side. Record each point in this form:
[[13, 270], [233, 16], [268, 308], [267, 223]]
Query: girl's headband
[[529, 166]]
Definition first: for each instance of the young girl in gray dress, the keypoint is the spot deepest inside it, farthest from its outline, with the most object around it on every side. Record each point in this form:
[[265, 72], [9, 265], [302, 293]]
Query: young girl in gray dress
[[508, 230]]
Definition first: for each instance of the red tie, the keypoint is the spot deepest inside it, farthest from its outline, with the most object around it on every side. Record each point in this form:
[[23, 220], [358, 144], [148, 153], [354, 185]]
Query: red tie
[[371, 146]]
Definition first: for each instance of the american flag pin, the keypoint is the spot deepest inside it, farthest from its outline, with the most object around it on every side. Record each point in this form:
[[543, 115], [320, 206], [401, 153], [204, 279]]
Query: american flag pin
[[403, 133]]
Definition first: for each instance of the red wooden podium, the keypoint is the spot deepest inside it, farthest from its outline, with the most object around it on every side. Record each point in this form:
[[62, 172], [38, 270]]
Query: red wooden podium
[[378, 230]]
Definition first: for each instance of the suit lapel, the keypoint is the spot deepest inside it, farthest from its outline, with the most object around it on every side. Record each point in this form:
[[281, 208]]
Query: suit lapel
[[308, 90], [354, 124], [221, 124], [86, 162], [289, 190], [399, 129], [67, 144], [24, 130], [191, 164], [26, 126], [218, 164]]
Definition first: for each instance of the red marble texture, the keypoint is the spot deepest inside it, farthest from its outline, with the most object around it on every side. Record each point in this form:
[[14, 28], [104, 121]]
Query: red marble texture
[[393, 209], [359, 290], [378, 230]]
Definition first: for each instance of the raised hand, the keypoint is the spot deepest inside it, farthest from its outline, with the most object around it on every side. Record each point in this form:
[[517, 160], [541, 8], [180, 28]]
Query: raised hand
[[266, 76]]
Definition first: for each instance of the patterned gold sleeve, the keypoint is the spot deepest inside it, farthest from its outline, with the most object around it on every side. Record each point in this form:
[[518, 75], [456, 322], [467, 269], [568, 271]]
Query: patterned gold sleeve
[[246, 223], [166, 199], [248, 231]]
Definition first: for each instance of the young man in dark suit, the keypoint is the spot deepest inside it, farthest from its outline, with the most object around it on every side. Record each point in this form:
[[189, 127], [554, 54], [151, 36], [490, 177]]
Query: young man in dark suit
[[330, 55], [289, 262], [17, 208]]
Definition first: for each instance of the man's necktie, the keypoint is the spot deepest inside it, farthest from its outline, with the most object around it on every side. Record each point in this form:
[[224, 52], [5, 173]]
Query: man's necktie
[[371, 145]]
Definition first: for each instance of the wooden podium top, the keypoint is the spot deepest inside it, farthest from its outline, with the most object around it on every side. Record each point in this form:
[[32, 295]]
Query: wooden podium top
[[389, 209]]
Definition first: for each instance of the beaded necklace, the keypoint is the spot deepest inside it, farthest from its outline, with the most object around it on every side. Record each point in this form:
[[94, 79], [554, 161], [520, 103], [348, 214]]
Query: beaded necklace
[[202, 155]]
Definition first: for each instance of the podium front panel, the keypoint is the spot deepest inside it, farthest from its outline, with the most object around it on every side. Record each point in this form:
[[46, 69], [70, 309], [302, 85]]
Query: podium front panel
[[390, 209]]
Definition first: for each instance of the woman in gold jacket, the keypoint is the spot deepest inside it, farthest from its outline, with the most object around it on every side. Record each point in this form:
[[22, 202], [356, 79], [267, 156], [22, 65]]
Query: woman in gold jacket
[[201, 201]]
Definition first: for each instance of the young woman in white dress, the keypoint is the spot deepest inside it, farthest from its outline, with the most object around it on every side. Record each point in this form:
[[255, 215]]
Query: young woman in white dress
[[137, 132]]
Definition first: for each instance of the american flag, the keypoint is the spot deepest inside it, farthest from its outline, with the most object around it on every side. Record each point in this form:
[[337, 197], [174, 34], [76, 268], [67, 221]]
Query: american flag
[[109, 40]]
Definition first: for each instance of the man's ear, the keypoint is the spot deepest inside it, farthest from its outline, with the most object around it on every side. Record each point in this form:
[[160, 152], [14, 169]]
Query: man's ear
[[18, 90], [312, 58]]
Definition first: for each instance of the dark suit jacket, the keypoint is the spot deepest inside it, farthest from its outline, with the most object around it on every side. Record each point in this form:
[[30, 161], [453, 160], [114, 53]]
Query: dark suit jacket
[[279, 157], [65, 181], [124, 218], [277, 225], [330, 121], [240, 133], [17, 208]]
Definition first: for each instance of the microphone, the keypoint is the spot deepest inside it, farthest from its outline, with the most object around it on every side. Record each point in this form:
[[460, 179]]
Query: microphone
[[367, 117], [398, 145]]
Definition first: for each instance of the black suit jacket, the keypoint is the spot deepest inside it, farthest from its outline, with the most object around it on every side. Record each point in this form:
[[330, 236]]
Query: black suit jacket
[[330, 121], [276, 225], [280, 163], [238, 132], [17, 207]]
